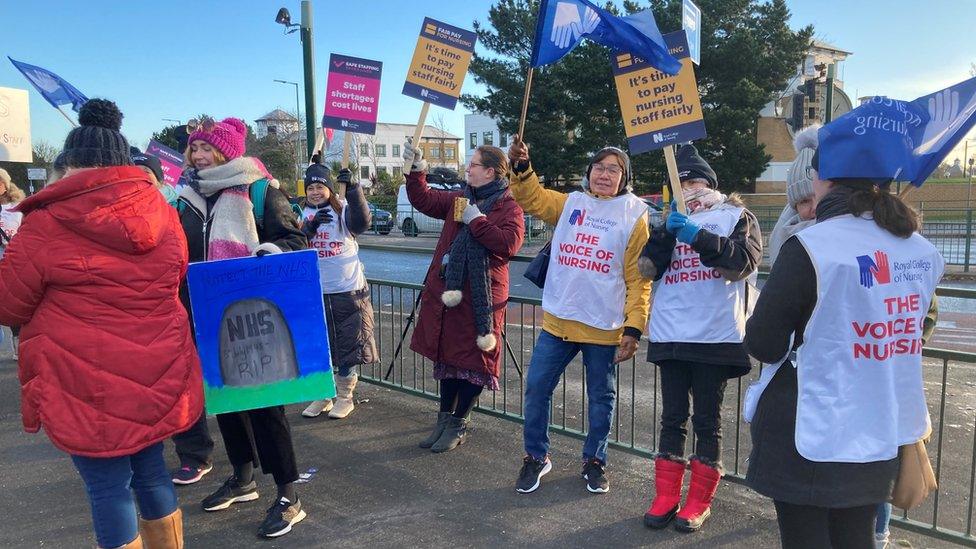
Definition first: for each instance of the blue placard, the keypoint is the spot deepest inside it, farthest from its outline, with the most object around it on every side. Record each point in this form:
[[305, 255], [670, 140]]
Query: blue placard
[[261, 332]]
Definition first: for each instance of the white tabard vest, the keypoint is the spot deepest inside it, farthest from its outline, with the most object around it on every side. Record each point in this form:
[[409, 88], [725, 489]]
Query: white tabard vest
[[10, 223], [339, 267], [694, 303], [859, 368], [585, 281]]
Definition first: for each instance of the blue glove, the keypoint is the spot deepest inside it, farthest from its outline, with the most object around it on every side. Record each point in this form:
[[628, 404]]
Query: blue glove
[[684, 229]]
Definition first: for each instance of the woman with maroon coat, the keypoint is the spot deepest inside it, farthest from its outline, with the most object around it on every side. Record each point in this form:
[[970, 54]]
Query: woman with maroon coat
[[462, 308]]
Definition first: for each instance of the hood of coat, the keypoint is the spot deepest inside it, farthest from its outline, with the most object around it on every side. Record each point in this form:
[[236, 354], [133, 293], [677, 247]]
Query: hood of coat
[[117, 207]]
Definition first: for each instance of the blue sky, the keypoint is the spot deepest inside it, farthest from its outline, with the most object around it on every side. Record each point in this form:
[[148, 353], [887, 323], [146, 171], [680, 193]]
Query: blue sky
[[178, 58]]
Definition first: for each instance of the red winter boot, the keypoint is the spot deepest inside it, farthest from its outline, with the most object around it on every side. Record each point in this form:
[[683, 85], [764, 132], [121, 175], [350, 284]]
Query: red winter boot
[[704, 482], [668, 476]]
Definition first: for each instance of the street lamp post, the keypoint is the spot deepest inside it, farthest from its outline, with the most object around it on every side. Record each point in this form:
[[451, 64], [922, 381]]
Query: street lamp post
[[298, 133], [308, 60]]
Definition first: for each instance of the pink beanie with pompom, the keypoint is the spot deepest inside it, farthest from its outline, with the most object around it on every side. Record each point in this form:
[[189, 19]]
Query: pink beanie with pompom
[[227, 136]]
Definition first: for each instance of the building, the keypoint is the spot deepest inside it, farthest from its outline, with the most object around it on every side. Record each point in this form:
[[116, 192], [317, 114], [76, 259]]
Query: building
[[480, 129], [382, 152], [803, 102], [276, 122]]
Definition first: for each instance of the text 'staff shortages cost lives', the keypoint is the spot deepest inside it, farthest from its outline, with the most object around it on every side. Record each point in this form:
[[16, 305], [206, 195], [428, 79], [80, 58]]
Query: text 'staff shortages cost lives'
[[352, 96], [658, 109], [439, 63]]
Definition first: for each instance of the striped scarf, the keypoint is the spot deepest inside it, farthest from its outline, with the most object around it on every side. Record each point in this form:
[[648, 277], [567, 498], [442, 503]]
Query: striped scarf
[[233, 232]]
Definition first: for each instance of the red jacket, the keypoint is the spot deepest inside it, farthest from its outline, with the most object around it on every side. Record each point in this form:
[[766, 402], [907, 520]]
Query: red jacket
[[448, 334], [107, 365]]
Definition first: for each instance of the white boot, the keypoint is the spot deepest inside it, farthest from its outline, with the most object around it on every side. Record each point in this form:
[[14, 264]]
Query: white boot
[[317, 407], [344, 404]]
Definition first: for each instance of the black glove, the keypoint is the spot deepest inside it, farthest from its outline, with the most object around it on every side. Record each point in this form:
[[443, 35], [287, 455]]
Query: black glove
[[261, 253], [322, 216], [345, 176]]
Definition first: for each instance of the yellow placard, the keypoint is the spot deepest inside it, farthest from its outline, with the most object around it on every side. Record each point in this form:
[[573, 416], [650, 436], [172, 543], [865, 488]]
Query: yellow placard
[[651, 100], [438, 66]]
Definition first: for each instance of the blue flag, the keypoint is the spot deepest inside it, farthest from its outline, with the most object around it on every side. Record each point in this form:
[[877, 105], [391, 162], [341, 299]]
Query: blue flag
[[55, 89], [564, 23], [887, 139]]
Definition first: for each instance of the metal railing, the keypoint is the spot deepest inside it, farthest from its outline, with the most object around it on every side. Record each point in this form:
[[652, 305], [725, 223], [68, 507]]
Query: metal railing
[[946, 515]]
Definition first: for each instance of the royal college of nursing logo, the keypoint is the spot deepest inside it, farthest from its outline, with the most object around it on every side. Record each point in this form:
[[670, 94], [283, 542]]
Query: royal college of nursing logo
[[874, 271], [577, 217]]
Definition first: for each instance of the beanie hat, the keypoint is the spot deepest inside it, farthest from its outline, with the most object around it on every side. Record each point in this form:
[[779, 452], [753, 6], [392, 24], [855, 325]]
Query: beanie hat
[[603, 153], [693, 166], [318, 173], [227, 136], [97, 141], [142, 159], [799, 181]]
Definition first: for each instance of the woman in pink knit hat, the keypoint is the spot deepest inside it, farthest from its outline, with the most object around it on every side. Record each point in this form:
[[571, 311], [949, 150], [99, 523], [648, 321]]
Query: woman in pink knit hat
[[216, 211]]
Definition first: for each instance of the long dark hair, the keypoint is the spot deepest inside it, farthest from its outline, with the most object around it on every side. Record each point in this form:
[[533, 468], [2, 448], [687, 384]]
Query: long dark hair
[[889, 211]]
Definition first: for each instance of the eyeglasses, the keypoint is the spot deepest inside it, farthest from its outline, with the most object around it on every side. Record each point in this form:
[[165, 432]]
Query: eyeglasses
[[612, 169], [471, 164]]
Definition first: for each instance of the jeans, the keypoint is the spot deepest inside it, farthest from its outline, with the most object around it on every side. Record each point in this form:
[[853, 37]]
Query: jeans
[[346, 371], [706, 384], [110, 483], [805, 526], [884, 517], [549, 360]]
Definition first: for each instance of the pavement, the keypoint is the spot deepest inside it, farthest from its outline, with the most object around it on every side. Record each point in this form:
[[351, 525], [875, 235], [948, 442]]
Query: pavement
[[375, 488]]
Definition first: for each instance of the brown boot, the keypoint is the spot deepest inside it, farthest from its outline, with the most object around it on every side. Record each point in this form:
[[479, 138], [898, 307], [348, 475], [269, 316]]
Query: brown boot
[[163, 533]]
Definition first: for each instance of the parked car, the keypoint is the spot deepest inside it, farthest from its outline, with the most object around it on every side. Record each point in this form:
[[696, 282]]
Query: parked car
[[410, 220], [382, 220]]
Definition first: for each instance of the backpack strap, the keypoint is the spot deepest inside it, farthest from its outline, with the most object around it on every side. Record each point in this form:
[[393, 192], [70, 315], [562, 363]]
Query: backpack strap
[[258, 192]]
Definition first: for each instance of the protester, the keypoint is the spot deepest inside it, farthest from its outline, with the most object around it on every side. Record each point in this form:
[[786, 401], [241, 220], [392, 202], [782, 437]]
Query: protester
[[594, 301], [10, 220], [462, 306], [703, 261], [109, 371], [216, 211], [332, 224], [799, 212], [826, 426], [154, 168]]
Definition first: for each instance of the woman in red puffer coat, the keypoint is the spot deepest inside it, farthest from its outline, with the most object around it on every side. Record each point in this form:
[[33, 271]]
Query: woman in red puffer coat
[[107, 366]]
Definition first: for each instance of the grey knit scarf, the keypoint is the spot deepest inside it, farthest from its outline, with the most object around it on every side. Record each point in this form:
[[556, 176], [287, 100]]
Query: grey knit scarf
[[468, 256]]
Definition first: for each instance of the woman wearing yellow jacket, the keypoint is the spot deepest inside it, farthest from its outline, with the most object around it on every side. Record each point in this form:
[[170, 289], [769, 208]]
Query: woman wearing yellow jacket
[[595, 300]]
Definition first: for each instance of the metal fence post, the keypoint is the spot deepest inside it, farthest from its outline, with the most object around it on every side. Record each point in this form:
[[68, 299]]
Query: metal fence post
[[969, 238]]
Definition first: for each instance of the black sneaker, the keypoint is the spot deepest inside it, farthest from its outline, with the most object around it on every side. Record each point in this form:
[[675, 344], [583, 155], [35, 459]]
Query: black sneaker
[[230, 493], [531, 474], [281, 517], [596, 477], [188, 474]]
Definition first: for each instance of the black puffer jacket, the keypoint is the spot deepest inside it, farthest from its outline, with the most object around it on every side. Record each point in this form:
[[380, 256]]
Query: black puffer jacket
[[736, 257], [776, 469]]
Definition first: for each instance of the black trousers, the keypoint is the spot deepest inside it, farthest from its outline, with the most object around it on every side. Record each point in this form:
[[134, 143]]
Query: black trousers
[[266, 429], [705, 383], [195, 445], [808, 527]]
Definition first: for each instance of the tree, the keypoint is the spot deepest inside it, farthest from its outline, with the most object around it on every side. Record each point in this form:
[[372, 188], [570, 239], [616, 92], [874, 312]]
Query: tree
[[169, 136], [748, 55], [44, 155]]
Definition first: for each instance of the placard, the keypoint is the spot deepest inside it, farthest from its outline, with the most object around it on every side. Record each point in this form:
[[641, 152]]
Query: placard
[[658, 109], [261, 332], [15, 137], [440, 63], [172, 161], [352, 96]]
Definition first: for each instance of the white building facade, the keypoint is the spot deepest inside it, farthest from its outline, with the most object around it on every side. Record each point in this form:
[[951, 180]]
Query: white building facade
[[480, 129]]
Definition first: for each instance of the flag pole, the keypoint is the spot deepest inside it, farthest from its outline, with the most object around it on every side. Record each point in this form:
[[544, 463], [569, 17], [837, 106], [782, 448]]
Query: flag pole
[[525, 104], [672, 163], [70, 121]]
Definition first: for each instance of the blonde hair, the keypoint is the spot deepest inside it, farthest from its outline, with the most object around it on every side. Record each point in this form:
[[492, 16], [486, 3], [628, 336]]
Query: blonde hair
[[219, 157], [13, 193]]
